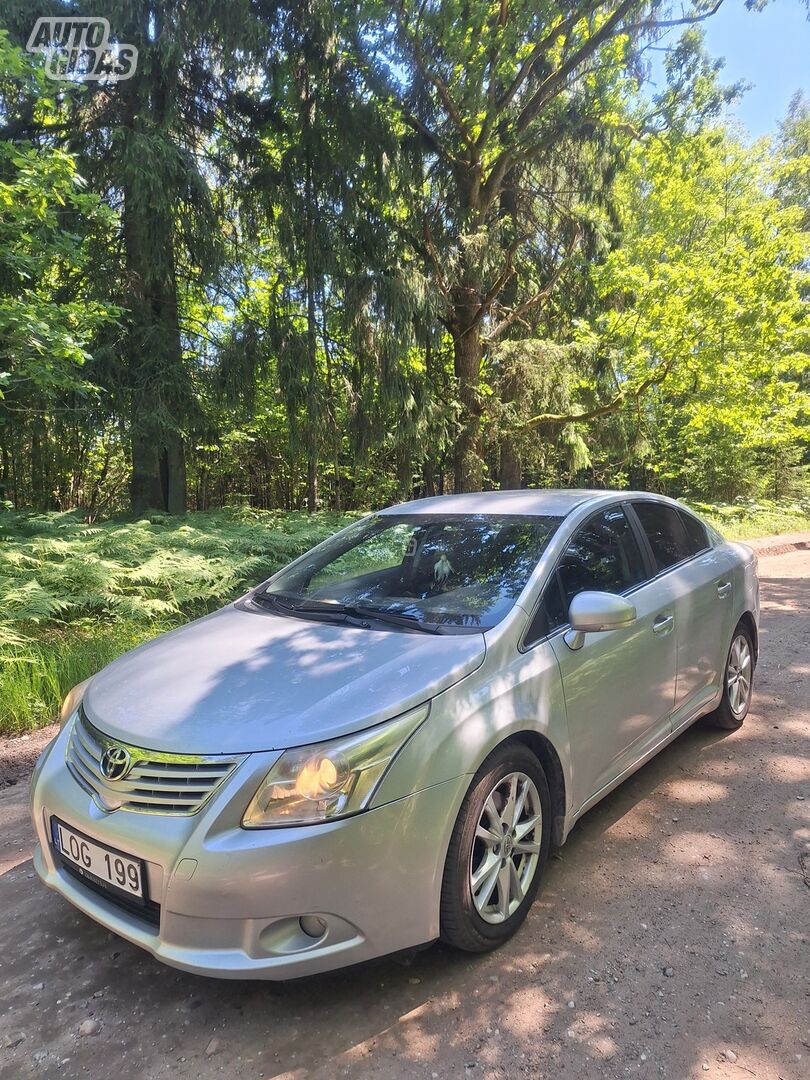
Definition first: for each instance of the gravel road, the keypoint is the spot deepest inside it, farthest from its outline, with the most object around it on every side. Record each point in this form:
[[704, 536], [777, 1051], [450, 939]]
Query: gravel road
[[670, 940]]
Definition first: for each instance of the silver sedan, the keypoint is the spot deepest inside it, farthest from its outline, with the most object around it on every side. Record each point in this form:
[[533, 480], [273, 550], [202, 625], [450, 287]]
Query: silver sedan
[[377, 747]]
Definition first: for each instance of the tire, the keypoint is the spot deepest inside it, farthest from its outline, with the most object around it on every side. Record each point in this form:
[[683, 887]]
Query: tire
[[737, 685], [509, 864]]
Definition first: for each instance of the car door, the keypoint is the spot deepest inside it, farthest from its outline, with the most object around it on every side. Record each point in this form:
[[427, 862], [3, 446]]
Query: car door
[[620, 686], [697, 578]]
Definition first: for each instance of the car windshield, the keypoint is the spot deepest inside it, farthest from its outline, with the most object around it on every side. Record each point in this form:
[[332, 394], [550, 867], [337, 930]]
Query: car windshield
[[458, 573]]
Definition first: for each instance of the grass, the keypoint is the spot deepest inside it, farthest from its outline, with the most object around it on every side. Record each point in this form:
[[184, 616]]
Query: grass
[[74, 596]]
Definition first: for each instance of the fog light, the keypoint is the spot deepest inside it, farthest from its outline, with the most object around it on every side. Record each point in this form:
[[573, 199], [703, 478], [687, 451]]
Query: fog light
[[312, 926]]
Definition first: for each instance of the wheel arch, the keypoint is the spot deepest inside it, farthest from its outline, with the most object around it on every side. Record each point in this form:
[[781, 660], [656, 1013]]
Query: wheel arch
[[749, 622], [543, 749]]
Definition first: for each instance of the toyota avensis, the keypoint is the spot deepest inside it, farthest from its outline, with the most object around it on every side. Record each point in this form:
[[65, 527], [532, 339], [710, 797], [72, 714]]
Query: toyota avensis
[[376, 747]]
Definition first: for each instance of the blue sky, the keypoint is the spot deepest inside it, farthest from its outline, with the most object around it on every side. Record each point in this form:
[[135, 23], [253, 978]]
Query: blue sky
[[770, 49]]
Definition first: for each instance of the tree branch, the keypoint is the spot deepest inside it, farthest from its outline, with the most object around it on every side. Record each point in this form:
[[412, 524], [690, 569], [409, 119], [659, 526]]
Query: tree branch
[[562, 27], [498, 284], [430, 137], [623, 396], [433, 255], [538, 297], [435, 80], [666, 24], [555, 82]]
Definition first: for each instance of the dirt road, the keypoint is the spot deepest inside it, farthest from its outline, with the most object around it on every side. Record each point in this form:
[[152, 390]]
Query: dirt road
[[670, 940]]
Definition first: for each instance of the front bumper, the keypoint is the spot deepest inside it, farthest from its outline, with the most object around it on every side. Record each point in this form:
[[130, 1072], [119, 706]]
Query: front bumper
[[230, 899]]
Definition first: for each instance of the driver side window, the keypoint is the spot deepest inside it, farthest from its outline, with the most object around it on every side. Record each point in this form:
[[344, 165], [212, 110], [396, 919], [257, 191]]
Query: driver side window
[[603, 556]]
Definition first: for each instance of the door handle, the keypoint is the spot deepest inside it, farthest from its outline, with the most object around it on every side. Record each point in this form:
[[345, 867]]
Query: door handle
[[663, 624], [723, 589]]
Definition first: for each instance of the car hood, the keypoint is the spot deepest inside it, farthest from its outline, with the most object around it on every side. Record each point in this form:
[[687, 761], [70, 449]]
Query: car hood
[[239, 681]]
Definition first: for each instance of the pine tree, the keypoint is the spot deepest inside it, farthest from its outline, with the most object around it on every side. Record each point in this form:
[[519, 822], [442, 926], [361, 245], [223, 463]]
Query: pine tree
[[145, 143], [495, 95]]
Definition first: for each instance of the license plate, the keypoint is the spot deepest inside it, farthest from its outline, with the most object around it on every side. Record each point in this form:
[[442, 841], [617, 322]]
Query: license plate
[[97, 862]]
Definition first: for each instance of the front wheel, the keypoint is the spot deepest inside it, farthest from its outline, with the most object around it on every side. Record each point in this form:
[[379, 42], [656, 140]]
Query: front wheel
[[738, 682], [497, 852]]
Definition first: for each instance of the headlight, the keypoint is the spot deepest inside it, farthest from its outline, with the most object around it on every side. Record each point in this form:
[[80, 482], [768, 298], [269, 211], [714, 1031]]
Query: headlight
[[72, 701], [331, 779]]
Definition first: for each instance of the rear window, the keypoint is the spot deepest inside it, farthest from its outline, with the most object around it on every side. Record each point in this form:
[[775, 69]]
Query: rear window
[[666, 533], [695, 533]]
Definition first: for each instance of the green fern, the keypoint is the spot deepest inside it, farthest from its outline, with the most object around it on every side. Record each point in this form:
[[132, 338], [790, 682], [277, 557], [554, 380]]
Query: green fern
[[30, 601], [11, 640]]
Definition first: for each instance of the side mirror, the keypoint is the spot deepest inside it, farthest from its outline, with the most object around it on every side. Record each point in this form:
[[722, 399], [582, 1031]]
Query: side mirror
[[593, 612]]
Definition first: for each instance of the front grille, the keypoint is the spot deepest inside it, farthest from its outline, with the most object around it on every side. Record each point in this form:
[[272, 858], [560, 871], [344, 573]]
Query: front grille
[[156, 783]]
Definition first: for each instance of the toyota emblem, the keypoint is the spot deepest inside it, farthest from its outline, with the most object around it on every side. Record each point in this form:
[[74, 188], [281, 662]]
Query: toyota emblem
[[116, 762]]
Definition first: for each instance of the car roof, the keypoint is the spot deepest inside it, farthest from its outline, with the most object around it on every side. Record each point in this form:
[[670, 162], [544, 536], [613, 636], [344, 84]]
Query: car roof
[[555, 502]]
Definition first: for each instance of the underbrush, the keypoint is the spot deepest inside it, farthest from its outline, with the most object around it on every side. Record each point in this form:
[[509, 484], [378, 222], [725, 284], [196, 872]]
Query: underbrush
[[745, 520], [74, 596]]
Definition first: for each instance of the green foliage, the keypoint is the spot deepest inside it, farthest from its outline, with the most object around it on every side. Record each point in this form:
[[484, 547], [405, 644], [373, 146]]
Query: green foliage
[[47, 318], [793, 180], [55, 569], [341, 254], [703, 308], [36, 675], [749, 518]]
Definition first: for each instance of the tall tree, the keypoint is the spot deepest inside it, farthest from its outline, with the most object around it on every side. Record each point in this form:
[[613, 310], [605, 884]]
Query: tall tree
[[793, 147], [341, 308], [50, 313], [302, 176], [496, 95], [146, 143]]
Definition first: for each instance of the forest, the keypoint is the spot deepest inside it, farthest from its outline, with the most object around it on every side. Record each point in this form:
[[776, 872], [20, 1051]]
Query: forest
[[330, 255], [312, 258]]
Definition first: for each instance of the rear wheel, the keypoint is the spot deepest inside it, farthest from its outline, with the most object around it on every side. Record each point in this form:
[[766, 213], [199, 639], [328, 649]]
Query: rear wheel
[[497, 852], [738, 682]]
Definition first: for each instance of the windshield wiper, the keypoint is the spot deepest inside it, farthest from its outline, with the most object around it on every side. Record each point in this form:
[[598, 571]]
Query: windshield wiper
[[395, 618], [344, 612], [310, 610], [275, 600]]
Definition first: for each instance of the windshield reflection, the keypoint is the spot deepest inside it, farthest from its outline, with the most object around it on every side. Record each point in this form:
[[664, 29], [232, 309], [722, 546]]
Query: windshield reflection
[[460, 572]]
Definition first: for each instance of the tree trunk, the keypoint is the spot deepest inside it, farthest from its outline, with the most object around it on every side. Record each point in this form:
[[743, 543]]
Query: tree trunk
[[154, 350], [5, 472], [312, 435], [511, 466], [146, 486], [312, 484], [467, 354], [511, 474], [429, 463], [39, 492], [338, 501], [174, 465]]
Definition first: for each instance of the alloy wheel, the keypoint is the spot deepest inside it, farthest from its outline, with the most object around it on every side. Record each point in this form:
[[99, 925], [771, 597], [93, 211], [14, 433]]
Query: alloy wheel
[[506, 848], [738, 675]]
